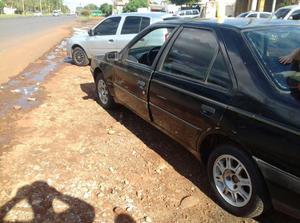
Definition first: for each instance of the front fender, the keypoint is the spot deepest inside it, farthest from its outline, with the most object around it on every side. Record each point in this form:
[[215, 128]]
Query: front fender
[[81, 43]]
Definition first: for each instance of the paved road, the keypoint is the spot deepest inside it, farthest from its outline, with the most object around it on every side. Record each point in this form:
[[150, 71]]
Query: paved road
[[18, 28], [25, 39]]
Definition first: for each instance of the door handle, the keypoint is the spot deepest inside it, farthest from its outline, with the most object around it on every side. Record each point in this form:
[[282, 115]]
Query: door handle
[[207, 110], [111, 40], [141, 84]]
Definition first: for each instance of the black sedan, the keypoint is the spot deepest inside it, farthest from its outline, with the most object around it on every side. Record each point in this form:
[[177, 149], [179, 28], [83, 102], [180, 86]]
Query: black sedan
[[218, 89]]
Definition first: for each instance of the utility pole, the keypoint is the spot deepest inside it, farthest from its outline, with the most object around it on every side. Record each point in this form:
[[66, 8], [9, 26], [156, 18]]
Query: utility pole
[[273, 5]]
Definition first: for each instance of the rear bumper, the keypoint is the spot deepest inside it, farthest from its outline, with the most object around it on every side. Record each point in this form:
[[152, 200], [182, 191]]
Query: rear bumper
[[284, 188]]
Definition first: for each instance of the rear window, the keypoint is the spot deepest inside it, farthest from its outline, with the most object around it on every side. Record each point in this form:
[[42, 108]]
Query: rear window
[[195, 12], [144, 23], [134, 24], [253, 15], [131, 25], [265, 15], [273, 43]]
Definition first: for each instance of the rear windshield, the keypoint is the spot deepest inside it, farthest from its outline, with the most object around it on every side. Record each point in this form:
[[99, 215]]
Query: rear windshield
[[281, 13], [270, 45]]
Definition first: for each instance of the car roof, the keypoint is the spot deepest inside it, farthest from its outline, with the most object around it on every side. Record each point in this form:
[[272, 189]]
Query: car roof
[[290, 7], [144, 14], [236, 23]]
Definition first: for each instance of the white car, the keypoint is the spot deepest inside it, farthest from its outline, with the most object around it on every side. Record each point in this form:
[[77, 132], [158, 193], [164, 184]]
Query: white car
[[38, 14], [288, 12], [55, 13], [188, 13], [257, 15], [111, 34]]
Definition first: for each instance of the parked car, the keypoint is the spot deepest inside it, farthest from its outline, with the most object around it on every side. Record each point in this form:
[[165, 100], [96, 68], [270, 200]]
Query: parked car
[[219, 90], [112, 33], [188, 13], [257, 15], [288, 12], [56, 13], [38, 14]]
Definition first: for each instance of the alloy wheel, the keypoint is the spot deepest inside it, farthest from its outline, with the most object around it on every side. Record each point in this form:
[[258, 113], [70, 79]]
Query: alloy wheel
[[232, 180], [102, 91]]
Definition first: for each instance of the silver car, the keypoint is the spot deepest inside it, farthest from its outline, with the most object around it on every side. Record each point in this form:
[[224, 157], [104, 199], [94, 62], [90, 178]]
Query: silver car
[[291, 12], [111, 34], [257, 15]]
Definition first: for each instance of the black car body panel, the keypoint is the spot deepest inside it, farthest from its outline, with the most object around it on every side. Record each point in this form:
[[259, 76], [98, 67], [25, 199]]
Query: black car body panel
[[253, 113]]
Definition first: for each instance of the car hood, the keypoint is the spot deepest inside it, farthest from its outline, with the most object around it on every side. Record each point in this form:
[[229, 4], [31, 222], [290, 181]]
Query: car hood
[[79, 33]]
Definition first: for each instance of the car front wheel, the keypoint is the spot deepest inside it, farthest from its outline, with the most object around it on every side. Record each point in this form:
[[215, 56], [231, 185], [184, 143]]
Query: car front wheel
[[236, 182], [79, 57]]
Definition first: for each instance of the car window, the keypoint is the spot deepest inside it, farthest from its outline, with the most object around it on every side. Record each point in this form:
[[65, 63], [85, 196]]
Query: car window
[[195, 12], [181, 13], [269, 45], [131, 25], [146, 48], [253, 15], [144, 23], [107, 27], [189, 12], [219, 74], [281, 13], [243, 15], [191, 54], [265, 15], [296, 15]]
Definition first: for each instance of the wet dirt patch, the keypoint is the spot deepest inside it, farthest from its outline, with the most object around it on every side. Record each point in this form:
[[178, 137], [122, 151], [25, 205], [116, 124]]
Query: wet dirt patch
[[22, 91]]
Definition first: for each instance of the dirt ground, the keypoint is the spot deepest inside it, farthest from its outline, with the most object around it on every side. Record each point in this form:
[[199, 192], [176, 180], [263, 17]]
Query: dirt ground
[[66, 159]]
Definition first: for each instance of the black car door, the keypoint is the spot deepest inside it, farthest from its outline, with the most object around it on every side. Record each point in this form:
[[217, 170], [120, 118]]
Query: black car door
[[192, 84], [133, 71]]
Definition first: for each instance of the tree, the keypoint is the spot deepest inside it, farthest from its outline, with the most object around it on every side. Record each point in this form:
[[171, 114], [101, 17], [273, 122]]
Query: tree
[[181, 2], [91, 7], [1, 6], [133, 5], [106, 9]]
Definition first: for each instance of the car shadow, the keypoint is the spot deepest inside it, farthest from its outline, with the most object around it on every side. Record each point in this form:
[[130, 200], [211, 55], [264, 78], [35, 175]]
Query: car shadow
[[175, 154], [40, 196]]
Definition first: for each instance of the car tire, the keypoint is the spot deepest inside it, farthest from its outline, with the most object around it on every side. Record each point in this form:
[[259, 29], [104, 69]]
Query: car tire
[[104, 98], [79, 57], [239, 188]]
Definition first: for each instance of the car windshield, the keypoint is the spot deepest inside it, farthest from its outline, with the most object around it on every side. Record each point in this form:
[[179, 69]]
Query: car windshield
[[281, 13], [269, 45]]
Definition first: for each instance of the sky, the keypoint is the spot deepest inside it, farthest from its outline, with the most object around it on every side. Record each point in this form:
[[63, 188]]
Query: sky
[[72, 4]]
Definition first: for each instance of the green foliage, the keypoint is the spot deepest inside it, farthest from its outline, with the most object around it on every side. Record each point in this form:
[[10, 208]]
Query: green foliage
[[91, 7], [46, 6], [133, 5], [85, 12], [181, 2], [106, 9], [1, 6]]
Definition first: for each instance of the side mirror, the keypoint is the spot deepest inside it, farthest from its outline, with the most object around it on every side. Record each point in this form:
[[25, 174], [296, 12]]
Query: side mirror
[[91, 32], [112, 56]]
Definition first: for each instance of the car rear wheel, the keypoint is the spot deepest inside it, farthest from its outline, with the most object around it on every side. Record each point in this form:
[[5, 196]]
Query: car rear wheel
[[79, 57], [104, 97], [236, 182]]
